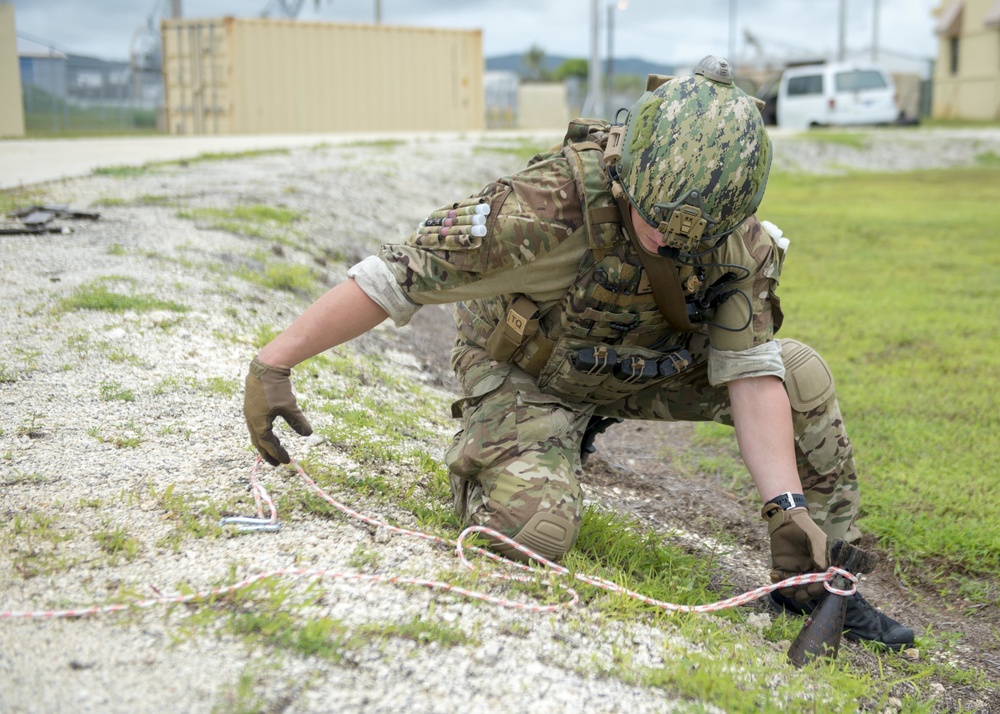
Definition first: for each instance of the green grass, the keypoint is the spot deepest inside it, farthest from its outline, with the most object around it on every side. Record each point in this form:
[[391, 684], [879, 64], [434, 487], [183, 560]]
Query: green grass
[[99, 295], [895, 279], [521, 149], [132, 170], [841, 138]]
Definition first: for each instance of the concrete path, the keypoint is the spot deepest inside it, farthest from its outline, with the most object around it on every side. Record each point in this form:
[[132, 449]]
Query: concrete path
[[31, 161]]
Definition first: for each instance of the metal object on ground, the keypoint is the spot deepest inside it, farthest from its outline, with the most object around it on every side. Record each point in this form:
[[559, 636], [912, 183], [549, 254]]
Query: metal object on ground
[[37, 219], [821, 633]]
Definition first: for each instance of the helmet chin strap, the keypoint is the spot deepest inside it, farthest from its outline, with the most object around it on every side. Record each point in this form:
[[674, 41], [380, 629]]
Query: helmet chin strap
[[663, 277]]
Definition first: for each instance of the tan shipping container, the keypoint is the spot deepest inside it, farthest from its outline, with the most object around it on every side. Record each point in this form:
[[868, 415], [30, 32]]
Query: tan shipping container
[[257, 76], [11, 103]]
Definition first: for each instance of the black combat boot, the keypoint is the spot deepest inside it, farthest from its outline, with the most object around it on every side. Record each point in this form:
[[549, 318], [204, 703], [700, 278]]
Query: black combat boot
[[861, 621]]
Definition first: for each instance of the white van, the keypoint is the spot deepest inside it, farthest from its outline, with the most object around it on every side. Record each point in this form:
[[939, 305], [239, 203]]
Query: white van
[[835, 94]]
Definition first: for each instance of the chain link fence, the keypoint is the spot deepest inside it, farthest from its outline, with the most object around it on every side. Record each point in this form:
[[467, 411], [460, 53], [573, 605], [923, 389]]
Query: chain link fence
[[71, 94]]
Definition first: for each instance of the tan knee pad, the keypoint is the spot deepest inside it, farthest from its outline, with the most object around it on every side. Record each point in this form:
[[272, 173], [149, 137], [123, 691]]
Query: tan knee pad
[[808, 379], [548, 535]]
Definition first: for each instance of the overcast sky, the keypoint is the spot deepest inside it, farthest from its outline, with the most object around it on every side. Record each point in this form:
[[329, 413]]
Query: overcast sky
[[662, 31]]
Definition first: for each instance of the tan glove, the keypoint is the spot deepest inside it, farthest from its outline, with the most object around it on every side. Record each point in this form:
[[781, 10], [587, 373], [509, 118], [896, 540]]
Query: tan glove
[[269, 395], [799, 546]]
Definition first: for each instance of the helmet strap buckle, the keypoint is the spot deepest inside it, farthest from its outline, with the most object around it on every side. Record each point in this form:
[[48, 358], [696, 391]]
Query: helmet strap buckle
[[684, 227]]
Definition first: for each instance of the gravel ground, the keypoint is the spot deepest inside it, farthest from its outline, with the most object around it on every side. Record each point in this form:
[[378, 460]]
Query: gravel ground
[[122, 440]]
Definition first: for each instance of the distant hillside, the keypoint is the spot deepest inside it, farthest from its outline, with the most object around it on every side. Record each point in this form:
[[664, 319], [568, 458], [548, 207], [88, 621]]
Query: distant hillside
[[630, 65]]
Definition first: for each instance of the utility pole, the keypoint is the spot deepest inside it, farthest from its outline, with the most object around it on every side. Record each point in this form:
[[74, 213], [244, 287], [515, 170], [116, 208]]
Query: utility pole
[[841, 44], [732, 33], [378, 12], [609, 79], [176, 12], [594, 102], [875, 9]]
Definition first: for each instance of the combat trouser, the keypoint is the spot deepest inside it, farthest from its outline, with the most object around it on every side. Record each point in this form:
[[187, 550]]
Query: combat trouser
[[515, 466]]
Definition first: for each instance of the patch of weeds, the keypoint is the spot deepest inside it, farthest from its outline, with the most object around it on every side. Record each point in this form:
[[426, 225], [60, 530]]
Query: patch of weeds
[[363, 559], [114, 391], [263, 335], [122, 171], [23, 477], [988, 158], [167, 384], [219, 386], [119, 355], [90, 503], [79, 343], [130, 439], [282, 276], [252, 220], [110, 202], [33, 427], [116, 249], [155, 200], [13, 199], [183, 512], [97, 295], [523, 150], [32, 545], [322, 637], [7, 374], [420, 631], [117, 543], [240, 697], [373, 144], [842, 138], [516, 629], [231, 155]]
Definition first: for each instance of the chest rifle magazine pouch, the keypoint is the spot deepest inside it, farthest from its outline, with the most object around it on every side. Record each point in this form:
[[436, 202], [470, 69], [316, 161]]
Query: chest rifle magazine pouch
[[519, 325]]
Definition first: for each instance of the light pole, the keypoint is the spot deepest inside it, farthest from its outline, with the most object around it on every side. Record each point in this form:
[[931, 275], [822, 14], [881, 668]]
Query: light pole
[[875, 9], [610, 73], [594, 103], [842, 38], [732, 33]]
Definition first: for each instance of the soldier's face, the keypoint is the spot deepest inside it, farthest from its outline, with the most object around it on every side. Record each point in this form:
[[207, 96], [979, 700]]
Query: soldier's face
[[649, 238]]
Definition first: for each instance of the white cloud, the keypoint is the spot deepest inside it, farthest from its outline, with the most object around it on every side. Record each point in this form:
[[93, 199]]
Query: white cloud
[[656, 30]]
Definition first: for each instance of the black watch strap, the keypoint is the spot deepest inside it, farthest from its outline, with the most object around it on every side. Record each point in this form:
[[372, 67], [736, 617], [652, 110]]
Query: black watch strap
[[789, 500]]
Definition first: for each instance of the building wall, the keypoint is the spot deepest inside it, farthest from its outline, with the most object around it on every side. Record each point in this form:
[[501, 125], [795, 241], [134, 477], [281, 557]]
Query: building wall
[[542, 105], [236, 76], [972, 90], [11, 106]]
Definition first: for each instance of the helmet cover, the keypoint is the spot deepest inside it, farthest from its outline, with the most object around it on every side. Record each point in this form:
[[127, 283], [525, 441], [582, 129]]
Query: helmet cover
[[695, 146]]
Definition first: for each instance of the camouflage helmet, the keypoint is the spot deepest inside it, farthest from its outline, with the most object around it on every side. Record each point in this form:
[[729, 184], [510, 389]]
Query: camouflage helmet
[[695, 156]]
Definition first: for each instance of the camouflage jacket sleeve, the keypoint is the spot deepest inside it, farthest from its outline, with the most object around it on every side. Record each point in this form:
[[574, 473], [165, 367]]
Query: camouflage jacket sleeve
[[738, 353], [505, 239]]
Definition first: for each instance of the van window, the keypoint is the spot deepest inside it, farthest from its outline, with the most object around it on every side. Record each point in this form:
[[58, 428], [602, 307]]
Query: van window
[[859, 80], [808, 84]]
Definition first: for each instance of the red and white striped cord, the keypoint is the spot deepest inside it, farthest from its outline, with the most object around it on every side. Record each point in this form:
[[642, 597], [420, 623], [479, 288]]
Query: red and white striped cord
[[271, 524]]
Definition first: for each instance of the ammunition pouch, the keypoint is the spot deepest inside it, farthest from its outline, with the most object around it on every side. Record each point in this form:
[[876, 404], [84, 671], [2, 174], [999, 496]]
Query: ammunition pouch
[[580, 371], [519, 325]]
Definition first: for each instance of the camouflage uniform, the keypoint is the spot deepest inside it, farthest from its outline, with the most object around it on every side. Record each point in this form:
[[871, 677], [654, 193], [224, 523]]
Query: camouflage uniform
[[552, 234]]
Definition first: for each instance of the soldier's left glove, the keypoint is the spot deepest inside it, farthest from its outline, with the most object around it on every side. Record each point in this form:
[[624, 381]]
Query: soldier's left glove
[[799, 546], [269, 395]]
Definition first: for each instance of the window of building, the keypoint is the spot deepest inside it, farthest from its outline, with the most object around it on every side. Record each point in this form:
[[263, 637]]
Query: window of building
[[953, 55]]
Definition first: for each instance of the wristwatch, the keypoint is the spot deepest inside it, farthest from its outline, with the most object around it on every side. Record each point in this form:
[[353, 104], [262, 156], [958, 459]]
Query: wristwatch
[[789, 500]]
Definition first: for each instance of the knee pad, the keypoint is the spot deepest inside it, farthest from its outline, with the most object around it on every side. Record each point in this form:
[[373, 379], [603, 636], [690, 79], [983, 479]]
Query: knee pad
[[548, 535], [808, 379]]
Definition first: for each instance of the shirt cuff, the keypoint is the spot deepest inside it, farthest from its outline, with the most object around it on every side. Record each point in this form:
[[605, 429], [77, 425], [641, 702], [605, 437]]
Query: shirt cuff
[[761, 361], [377, 281]]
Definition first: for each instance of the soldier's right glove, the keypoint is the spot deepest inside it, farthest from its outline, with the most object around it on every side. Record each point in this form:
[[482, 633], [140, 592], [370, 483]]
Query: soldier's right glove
[[799, 546], [269, 395]]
